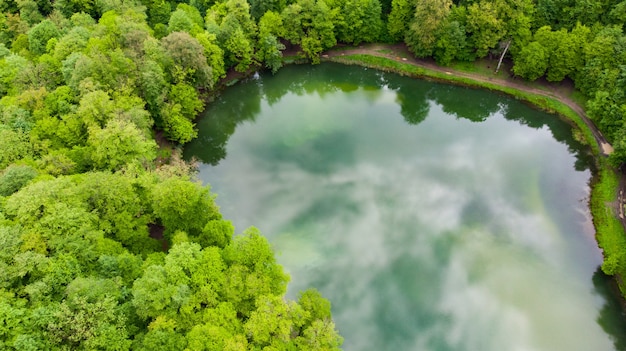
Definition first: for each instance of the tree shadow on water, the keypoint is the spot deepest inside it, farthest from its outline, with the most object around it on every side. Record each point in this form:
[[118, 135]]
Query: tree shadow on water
[[219, 121], [612, 317], [561, 131], [471, 104]]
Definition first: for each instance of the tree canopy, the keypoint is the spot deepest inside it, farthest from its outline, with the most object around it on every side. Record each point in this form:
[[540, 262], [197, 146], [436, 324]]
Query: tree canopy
[[108, 242]]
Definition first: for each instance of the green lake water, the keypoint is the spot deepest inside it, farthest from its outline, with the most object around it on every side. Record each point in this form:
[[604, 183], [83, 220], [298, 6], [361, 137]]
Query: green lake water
[[433, 217]]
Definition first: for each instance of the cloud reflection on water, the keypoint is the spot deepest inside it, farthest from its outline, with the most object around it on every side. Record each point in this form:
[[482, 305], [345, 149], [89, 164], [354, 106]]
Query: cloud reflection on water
[[437, 237]]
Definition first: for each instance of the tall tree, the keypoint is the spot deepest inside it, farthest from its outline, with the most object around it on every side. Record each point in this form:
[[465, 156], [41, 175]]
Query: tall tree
[[430, 16], [308, 23], [187, 60], [531, 63], [119, 144], [236, 32], [357, 21], [398, 21], [451, 43], [484, 26], [270, 48]]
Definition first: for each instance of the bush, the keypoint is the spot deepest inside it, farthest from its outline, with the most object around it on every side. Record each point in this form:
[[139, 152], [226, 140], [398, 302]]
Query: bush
[[14, 178]]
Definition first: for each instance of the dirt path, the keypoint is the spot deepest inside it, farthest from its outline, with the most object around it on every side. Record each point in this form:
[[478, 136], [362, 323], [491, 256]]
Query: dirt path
[[400, 53]]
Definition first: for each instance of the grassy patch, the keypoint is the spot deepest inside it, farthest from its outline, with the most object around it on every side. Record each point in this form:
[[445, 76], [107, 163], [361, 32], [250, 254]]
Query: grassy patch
[[485, 68], [609, 231], [579, 98], [385, 51], [464, 66]]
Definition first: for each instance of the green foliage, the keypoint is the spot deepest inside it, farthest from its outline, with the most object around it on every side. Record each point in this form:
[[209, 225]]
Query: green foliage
[[308, 23], [609, 231], [273, 322], [315, 305], [29, 11], [484, 26], [270, 48], [429, 18], [239, 50], [270, 52], [183, 205], [214, 55], [118, 144], [258, 8], [14, 146], [14, 178], [451, 43], [70, 7], [217, 232], [186, 59], [159, 12], [90, 325], [39, 36], [10, 67], [567, 56], [180, 22], [187, 97], [163, 339], [139, 258], [401, 14], [154, 87], [235, 30], [193, 13], [532, 61], [358, 21], [4, 51], [176, 126]]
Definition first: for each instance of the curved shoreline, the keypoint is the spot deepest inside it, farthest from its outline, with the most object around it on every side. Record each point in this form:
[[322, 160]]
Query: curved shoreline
[[606, 209], [608, 186], [398, 53]]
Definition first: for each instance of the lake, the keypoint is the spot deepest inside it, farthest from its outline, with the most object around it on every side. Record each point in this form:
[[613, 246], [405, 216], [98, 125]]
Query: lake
[[433, 217]]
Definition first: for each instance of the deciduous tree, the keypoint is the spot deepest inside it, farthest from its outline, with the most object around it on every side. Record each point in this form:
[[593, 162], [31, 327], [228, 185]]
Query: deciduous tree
[[430, 16]]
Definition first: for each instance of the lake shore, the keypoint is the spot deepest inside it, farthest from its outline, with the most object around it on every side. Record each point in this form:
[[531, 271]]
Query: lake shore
[[608, 186]]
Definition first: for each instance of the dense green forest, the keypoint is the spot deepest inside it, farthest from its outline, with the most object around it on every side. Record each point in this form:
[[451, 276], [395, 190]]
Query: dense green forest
[[107, 240]]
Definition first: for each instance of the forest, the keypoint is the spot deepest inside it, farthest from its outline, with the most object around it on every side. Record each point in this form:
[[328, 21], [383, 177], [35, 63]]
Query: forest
[[108, 240]]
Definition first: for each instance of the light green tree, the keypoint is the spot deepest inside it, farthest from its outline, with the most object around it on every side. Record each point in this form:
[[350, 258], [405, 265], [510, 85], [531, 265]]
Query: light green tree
[[183, 205], [532, 61], [484, 26], [402, 12], [119, 143], [15, 177], [357, 21], [429, 17], [308, 23]]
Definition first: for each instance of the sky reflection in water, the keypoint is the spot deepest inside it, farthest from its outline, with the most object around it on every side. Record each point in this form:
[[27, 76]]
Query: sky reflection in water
[[444, 235]]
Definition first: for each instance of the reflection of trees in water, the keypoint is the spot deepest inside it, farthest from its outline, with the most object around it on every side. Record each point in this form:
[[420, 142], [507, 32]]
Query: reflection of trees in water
[[413, 97], [612, 317], [472, 104], [321, 79], [561, 132], [476, 105], [219, 122]]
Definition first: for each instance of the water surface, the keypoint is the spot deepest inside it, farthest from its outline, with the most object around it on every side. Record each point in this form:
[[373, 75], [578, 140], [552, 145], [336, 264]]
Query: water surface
[[433, 217]]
